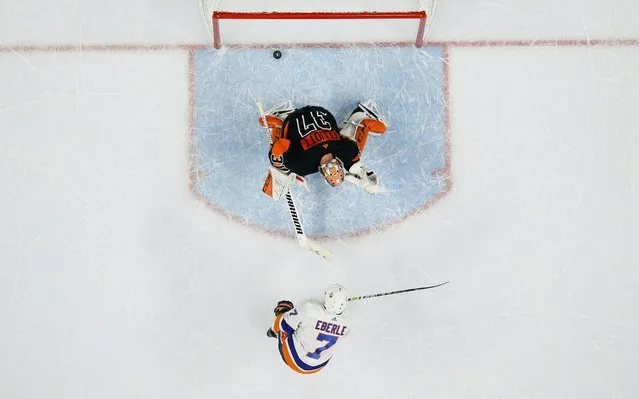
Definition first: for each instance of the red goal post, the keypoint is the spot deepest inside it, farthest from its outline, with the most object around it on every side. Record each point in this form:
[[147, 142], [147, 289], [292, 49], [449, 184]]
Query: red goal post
[[420, 17]]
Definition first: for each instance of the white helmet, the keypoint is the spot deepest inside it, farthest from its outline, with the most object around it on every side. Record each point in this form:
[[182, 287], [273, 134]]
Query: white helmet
[[335, 298]]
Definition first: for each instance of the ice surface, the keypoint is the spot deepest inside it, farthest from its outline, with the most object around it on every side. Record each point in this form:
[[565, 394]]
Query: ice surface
[[231, 147], [116, 282]]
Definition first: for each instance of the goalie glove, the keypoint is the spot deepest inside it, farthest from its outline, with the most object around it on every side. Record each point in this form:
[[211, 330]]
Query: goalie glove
[[283, 307], [364, 178]]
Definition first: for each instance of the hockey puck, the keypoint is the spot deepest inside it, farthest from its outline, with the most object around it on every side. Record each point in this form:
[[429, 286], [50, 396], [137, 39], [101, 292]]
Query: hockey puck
[[277, 54]]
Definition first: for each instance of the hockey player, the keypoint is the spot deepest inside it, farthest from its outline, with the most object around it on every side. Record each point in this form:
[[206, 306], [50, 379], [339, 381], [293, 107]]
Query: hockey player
[[307, 140], [307, 333]]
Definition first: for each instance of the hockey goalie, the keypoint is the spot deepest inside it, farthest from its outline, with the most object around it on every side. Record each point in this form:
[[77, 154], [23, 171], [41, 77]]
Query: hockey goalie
[[308, 140]]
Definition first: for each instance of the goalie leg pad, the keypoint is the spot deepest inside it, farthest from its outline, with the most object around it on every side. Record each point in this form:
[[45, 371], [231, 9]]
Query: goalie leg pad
[[281, 110], [275, 118], [368, 126], [364, 120], [365, 110], [277, 183], [371, 109], [359, 127], [274, 124]]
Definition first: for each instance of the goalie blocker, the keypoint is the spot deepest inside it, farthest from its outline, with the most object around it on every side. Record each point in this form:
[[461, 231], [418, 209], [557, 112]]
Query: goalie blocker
[[307, 140]]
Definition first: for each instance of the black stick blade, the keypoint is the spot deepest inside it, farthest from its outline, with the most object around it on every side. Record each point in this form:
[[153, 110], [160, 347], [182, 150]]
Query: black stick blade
[[357, 298]]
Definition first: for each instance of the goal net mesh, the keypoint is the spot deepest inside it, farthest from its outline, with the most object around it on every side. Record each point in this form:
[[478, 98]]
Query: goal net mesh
[[235, 26]]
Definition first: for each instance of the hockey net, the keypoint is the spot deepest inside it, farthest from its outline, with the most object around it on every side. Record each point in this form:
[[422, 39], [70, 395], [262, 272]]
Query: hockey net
[[322, 28]]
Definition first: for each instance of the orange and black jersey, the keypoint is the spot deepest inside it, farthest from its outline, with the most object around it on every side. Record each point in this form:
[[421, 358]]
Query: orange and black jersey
[[312, 132]]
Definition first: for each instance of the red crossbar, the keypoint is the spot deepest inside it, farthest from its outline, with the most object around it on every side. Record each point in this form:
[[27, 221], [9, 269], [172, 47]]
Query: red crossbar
[[217, 15]]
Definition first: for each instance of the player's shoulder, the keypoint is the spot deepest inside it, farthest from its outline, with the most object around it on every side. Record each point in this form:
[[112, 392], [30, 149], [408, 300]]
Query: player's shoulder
[[344, 318], [316, 309], [310, 306]]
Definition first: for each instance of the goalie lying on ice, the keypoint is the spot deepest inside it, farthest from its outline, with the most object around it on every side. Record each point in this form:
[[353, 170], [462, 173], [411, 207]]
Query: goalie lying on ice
[[307, 140]]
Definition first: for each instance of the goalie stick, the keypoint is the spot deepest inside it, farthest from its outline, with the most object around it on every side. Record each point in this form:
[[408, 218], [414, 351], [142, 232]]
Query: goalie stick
[[357, 298], [299, 231], [302, 239]]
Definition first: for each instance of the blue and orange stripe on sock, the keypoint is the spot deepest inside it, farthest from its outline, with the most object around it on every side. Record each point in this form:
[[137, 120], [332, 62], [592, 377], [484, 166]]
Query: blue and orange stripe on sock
[[287, 350], [279, 325]]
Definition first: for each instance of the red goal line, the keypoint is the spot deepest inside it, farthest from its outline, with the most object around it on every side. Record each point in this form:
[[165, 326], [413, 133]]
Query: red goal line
[[420, 15]]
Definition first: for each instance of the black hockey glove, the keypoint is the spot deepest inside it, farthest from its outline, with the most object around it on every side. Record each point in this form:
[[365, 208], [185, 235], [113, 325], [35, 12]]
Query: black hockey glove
[[283, 307]]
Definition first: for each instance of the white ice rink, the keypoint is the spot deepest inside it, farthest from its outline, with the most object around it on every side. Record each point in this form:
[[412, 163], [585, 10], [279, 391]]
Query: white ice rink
[[116, 282]]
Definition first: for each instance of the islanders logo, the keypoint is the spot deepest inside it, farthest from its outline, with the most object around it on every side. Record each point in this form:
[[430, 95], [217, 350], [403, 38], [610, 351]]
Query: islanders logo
[[229, 148]]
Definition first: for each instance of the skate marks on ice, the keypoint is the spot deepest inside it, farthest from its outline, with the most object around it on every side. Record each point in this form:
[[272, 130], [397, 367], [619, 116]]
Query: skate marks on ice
[[229, 148]]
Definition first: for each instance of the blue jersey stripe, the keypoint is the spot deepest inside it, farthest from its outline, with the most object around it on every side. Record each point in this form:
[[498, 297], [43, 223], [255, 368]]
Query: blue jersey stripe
[[286, 327], [296, 358]]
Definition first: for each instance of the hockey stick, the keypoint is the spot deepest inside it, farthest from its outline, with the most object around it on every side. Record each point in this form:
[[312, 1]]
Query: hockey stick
[[299, 231], [357, 298]]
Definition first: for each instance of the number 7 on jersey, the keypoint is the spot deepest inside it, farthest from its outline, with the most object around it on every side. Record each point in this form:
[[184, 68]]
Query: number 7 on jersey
[[331, 340]]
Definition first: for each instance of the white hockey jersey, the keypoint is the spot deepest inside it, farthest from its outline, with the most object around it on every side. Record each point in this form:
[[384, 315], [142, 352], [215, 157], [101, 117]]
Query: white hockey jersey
[[308, 334]]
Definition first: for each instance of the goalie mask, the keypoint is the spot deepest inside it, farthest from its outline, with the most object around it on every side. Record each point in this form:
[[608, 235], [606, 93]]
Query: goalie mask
[[333, 171]]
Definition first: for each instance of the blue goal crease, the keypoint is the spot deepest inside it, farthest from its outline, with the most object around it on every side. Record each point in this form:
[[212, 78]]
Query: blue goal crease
[[230, 146]]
